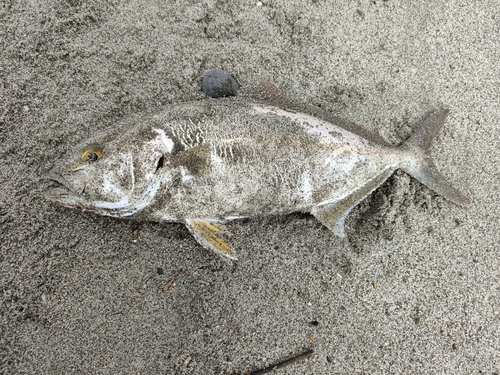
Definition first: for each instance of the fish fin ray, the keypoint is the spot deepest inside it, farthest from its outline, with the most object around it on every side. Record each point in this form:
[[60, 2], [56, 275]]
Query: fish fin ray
[[267, 92], [425, 171], [333, 214], [211, 234], [358, 130], [427, 130]]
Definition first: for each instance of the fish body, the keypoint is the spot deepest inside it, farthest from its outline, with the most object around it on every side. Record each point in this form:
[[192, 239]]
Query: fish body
[[207, 162]]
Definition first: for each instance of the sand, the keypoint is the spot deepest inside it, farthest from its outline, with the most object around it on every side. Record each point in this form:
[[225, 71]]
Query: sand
[[413, 289]]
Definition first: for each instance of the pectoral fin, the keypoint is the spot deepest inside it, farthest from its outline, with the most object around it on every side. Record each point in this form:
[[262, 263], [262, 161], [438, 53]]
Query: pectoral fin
[[211, 235], [333, 214]]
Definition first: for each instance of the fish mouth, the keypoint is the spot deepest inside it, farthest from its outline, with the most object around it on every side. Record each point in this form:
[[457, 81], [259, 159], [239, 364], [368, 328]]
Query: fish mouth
[[71, 193], [62, 191], [78, 181], [58, 194]]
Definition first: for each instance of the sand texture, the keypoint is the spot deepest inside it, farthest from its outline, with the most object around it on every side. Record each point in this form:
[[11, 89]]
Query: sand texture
[[413, 289]]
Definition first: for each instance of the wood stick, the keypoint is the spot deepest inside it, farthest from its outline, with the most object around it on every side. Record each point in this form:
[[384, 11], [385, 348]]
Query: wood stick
[[297, 358], [171, 281]]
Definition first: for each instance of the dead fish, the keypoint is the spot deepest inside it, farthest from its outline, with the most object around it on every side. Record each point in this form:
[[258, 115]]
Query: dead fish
[[208, 162]]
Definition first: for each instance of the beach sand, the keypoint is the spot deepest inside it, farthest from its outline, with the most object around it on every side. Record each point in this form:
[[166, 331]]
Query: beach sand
[[413, 289]]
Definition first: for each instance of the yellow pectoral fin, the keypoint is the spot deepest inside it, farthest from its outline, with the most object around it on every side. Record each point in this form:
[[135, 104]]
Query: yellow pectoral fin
[[210, 234]]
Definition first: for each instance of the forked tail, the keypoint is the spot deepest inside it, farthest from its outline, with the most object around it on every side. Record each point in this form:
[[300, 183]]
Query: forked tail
[[425, 171]]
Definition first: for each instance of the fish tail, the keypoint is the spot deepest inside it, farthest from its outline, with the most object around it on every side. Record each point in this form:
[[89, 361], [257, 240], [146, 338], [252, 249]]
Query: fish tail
[[424, 170]]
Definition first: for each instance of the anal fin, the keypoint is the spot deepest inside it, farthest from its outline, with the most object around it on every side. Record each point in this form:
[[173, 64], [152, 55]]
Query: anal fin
[[333, 214], [210, 234]]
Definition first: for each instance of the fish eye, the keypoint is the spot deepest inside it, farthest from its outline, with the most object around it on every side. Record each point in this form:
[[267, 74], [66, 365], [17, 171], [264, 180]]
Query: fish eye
[[92, 152]]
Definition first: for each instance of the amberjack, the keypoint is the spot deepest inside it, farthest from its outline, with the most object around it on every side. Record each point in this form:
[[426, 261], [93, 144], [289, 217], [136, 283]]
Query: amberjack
[[207, 162]]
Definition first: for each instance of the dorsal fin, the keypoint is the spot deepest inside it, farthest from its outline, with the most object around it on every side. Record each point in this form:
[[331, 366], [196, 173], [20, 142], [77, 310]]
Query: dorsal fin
[[357, 129], [266, 92]]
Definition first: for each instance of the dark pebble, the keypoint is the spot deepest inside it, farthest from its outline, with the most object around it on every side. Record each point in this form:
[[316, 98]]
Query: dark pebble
[[217, 83]]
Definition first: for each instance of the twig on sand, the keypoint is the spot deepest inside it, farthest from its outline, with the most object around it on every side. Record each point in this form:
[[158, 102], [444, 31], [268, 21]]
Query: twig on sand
[[171, 281], [297, 358]]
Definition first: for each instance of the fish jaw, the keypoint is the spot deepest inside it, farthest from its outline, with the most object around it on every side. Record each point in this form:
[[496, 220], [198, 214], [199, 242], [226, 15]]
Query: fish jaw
[[126, 206], [65, 197], [122, 208], [69, 191]]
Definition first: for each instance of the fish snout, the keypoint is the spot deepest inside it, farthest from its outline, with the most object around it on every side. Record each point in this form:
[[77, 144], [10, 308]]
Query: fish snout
[[57, 194], [75, 182]]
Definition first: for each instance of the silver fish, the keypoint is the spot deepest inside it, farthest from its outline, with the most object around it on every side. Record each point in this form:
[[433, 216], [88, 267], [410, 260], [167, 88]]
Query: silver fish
[[207, 162]]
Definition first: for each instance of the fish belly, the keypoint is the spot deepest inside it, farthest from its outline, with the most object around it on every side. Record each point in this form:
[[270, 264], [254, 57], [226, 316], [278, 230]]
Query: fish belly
[[271, 183]]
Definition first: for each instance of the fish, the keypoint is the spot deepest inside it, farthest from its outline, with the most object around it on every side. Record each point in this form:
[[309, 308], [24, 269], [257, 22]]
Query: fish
[[208, 162]]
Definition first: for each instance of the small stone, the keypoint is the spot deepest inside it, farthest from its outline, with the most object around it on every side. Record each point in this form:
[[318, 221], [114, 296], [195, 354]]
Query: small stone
[[217, 83]]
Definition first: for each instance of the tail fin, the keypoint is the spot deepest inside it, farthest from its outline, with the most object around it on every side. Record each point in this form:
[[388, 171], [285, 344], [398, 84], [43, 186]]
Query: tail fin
[[425, 171]]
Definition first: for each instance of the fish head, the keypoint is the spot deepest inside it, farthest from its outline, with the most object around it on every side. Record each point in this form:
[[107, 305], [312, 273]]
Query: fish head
[[113, 177]]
